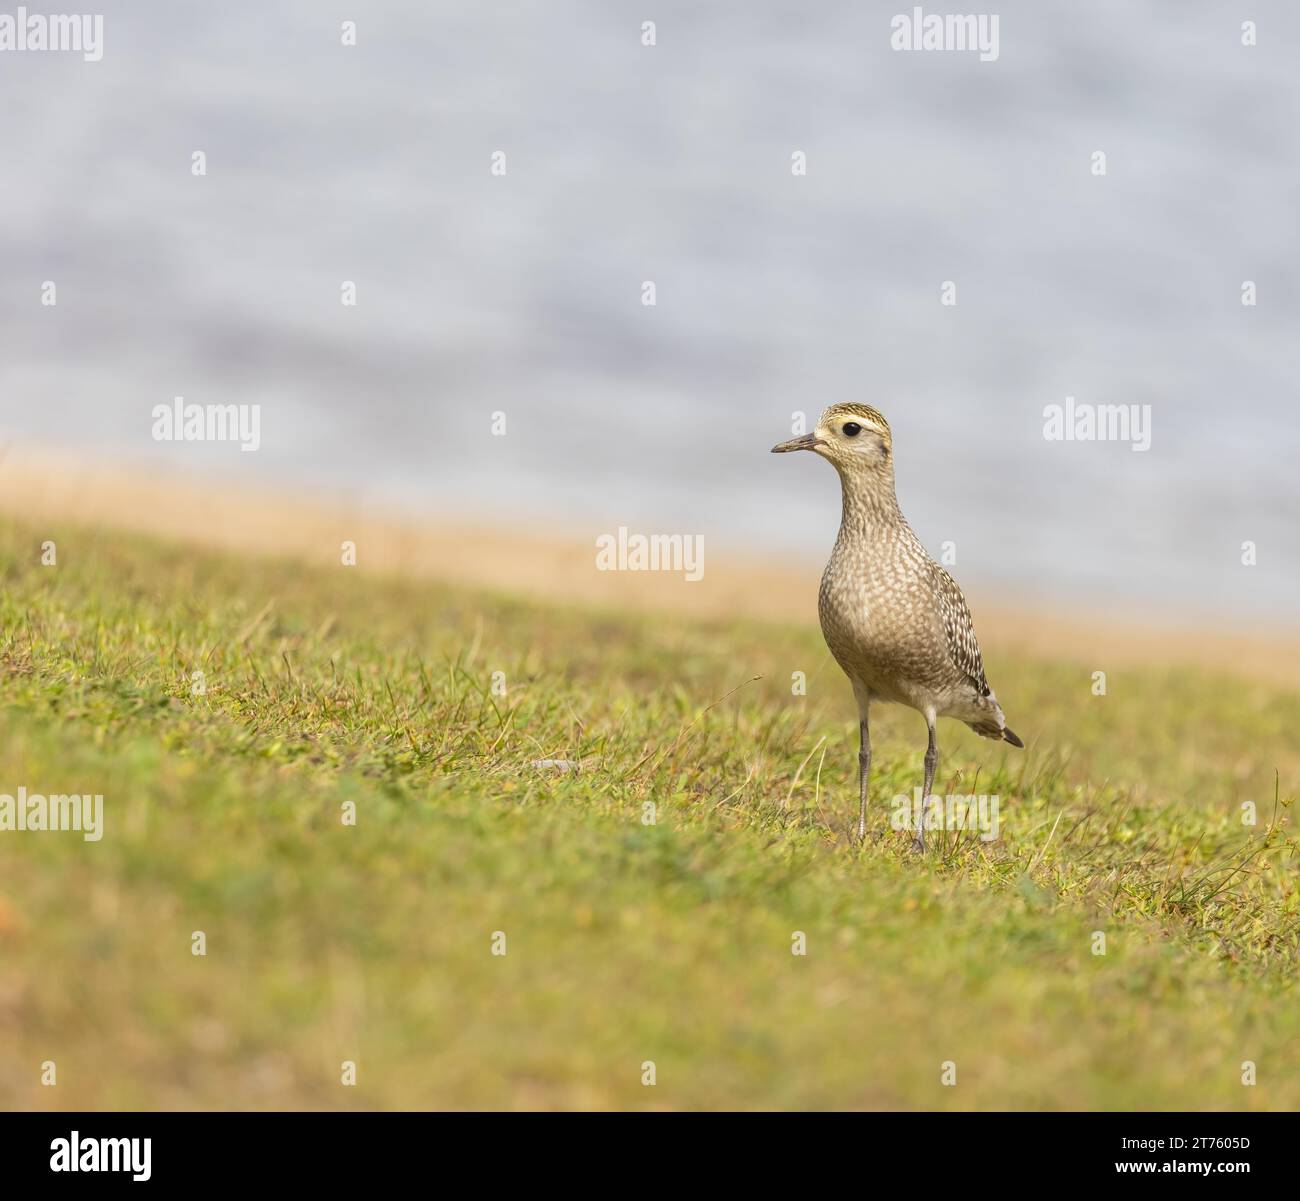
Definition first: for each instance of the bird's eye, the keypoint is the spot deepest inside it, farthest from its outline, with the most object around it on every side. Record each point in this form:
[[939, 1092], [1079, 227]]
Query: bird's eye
[[852, 429]]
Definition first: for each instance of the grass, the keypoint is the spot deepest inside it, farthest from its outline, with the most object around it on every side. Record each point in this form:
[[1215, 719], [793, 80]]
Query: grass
[[628, 940]]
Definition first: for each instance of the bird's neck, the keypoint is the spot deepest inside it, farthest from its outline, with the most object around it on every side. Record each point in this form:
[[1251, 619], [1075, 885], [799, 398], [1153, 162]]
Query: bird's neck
[[869, 504]]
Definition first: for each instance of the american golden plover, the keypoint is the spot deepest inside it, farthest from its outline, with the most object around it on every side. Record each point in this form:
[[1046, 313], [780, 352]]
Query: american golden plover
[[895, 621]]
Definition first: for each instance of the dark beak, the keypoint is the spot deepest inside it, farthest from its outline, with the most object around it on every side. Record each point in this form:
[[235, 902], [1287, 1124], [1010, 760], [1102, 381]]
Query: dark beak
[[805, 442]]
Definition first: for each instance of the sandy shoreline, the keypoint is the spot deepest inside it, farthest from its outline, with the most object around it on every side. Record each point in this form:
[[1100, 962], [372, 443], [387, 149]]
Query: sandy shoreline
[[215, 513]]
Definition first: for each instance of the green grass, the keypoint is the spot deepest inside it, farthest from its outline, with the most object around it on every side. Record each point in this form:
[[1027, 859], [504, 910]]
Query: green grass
[[626, 942]]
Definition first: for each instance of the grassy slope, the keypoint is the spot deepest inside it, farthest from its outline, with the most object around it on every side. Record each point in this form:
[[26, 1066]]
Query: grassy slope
[[626, 942]]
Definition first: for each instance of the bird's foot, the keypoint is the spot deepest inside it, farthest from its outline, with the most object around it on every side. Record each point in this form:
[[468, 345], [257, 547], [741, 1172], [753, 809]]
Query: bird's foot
[[918, 844]]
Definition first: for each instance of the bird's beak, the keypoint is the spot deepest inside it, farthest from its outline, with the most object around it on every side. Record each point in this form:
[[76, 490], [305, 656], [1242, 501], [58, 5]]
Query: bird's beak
[[805, 442]]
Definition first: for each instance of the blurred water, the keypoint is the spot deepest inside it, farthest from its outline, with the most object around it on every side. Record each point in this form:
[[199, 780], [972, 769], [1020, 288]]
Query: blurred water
[[775, 293]]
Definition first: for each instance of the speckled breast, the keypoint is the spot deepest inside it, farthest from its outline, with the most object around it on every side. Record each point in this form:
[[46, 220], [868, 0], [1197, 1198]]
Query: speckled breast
[[877, 616]]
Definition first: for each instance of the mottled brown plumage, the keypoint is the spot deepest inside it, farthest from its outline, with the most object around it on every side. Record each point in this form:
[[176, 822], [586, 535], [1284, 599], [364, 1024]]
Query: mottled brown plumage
[[895, 620]]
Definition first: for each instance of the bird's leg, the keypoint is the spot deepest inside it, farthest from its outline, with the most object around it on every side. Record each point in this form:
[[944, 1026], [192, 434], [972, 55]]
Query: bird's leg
[[864, 774], [931, 761]]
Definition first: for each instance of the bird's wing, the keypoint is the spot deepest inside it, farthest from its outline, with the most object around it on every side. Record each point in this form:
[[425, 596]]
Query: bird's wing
[[958, 627]]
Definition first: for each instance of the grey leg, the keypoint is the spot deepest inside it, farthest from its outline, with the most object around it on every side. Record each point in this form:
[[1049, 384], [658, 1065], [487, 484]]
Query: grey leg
[[864, 774], [931, 761]]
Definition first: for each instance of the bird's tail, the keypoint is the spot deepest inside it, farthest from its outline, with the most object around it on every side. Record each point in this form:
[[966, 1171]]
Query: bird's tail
[[986, 719], [995, 730]]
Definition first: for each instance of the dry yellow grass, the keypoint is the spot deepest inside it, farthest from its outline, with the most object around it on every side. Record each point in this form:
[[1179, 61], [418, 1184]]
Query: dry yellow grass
[[225, 513]]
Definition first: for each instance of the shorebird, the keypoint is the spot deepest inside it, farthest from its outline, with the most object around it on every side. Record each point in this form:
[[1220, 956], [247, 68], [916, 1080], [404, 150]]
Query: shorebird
[[895, 621]]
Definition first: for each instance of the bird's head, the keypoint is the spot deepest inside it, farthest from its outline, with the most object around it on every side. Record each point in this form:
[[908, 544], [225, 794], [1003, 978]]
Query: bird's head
[[854, 437]]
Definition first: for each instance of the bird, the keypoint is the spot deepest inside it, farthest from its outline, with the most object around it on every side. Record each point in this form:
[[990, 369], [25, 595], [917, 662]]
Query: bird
[[895, 621]]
